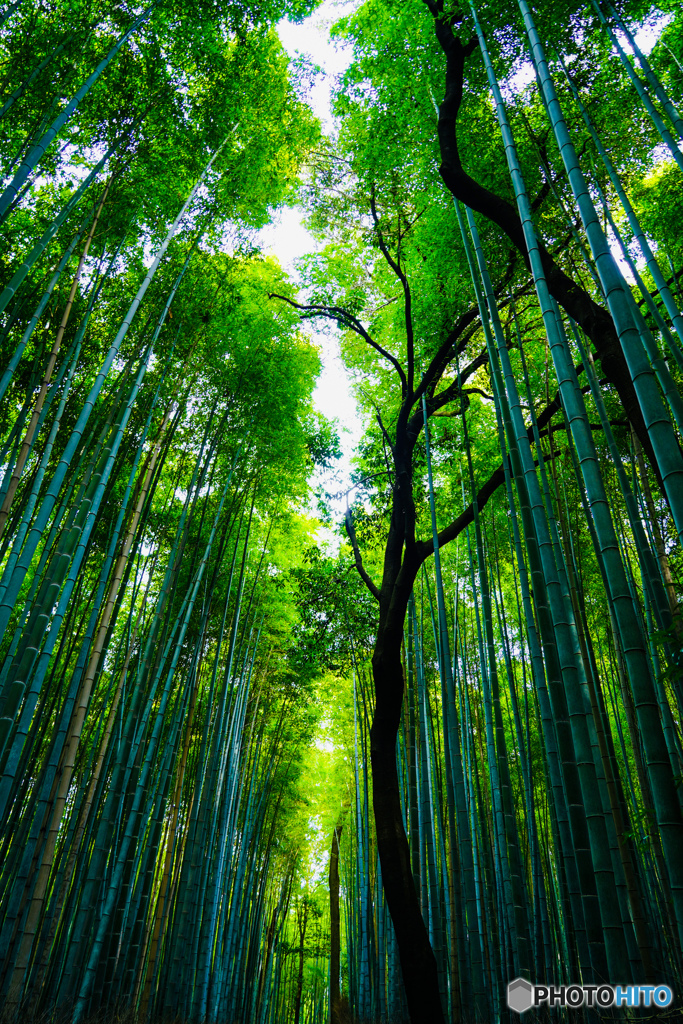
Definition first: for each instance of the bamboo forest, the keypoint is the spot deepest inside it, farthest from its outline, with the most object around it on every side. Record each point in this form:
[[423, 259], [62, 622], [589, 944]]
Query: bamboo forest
[[341, 511]]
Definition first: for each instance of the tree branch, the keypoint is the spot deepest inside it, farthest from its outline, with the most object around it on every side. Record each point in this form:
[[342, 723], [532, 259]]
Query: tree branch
[[593, 318], [461, 335], [454, 390], [342, 316], [425, 548], [395, 266], [593, 426], [350, 529]]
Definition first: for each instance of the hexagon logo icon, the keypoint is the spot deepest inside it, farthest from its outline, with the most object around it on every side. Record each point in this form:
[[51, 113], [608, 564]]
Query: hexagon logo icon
[[520, 995]]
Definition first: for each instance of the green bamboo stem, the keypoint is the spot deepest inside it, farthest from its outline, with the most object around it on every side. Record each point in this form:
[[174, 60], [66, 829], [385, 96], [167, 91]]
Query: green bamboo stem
[[664, 133], [658, 424]]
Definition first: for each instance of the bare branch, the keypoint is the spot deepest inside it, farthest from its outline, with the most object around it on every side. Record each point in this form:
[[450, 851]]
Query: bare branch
[[372, 587], [465, 392], [384, 430], [450, 532], [346, 319], [457, 339], [410, 337], [593, 426], [425, 548], [361, 484], [454, 390]]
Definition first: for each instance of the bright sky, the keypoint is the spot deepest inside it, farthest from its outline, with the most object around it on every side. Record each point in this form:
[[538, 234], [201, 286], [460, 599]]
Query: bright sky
[[287, 239]]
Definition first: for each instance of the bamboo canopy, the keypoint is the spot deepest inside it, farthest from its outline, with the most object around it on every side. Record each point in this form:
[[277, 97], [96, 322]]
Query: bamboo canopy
[[292, 736]]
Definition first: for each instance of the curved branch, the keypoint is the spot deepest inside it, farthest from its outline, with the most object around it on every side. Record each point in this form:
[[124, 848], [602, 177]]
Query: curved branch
[[453, 391], [554, 427], [426, 547], [461, 334], [372, 587], [453, 345], [342, 316], [395, 266], [593, 318], [464, 392], [384, 430]]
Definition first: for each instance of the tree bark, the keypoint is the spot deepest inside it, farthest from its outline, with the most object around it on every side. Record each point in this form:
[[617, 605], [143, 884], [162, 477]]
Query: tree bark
[[418, 963], [403, 557], [401, 563], [594, 319]]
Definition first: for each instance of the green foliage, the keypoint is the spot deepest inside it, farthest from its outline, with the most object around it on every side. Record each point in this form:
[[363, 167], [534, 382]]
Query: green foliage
[[337, 615], [185, 673]]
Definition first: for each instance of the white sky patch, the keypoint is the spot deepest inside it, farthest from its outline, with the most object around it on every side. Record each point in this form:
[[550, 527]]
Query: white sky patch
[[615, 249], [312, 39], [333, 396], [287, 239], [323, 740], [318, 856], [645, 37], [518, 80]]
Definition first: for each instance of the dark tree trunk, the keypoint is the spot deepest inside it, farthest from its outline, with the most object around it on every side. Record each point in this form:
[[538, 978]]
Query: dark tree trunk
[[401, 563], [593, 318], [418, 963], [403, 557]]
